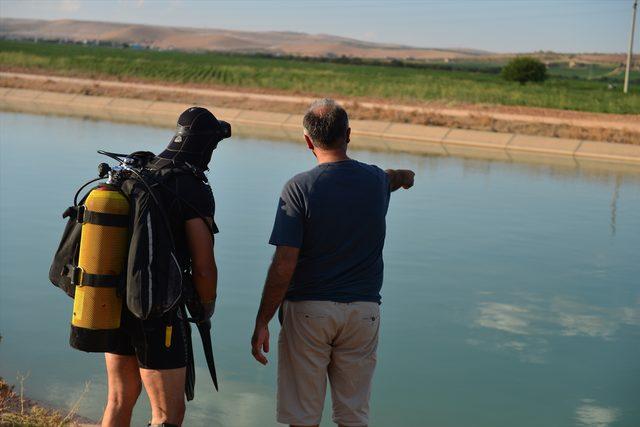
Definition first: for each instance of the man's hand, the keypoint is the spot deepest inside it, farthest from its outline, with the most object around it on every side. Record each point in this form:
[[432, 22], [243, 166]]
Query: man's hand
[[407, 178], [400, 178], [260, 343]]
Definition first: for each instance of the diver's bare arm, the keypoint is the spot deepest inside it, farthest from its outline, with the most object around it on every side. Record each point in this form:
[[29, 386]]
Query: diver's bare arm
[[278, 278], [400, 178], [203, 262]]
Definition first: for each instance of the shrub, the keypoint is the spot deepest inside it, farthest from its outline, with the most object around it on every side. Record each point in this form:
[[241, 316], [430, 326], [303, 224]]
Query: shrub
[[525, 69]]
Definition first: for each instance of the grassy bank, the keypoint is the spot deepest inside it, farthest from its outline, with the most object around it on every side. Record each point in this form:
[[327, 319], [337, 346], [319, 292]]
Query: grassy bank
[[15, 410], [402, 84], [18, 410]]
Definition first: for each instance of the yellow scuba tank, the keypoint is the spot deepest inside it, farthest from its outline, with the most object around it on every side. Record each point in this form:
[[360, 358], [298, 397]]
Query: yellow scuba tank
[[97, 305]]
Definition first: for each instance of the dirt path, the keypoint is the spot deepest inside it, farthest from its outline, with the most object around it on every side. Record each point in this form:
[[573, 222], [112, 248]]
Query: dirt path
[[534, 115], [524, 120]]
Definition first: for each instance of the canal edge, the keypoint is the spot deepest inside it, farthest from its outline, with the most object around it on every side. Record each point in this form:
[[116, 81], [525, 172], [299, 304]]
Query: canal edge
[[377, 135]]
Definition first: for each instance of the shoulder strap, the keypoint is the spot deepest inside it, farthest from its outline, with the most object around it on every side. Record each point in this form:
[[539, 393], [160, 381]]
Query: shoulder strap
[[171, 170], [166, 167]]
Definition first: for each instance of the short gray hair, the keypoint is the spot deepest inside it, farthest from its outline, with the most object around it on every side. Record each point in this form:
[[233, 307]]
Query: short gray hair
[[327, 123]]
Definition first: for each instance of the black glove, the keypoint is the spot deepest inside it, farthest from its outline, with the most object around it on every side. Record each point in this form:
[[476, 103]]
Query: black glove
[[201, 311]]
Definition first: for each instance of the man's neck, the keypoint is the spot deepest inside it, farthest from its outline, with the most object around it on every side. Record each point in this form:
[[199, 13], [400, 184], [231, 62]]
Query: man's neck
[[329, 156]]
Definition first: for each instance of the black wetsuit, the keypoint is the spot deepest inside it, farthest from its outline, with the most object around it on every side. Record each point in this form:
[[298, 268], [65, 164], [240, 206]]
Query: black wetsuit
[[150, 340]]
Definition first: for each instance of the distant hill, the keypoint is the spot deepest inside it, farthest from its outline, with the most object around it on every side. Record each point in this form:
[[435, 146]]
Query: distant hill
[[197, 39], [265, 42]]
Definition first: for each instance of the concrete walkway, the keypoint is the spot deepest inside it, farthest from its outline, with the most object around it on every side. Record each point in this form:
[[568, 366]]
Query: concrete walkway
[[376, 135]]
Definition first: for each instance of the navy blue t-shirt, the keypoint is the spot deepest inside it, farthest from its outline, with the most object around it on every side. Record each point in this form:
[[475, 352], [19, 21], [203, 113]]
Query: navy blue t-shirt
[[335, 213]]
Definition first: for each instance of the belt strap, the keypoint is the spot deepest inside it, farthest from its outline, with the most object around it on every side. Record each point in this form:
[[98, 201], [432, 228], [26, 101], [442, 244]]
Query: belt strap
[[81, 278], [100, 218]]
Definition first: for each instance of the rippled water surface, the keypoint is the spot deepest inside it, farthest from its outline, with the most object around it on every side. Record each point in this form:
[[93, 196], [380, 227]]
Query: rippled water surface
[[511, 295]]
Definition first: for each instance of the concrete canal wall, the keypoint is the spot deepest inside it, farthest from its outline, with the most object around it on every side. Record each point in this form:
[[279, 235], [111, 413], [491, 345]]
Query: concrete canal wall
[[376, 135]]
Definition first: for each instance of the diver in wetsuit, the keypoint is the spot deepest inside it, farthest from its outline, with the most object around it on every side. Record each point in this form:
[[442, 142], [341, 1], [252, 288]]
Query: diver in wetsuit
[[156, 352]]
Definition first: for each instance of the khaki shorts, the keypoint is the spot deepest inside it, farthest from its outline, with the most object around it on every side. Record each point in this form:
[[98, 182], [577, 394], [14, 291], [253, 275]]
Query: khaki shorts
[[320, 340]]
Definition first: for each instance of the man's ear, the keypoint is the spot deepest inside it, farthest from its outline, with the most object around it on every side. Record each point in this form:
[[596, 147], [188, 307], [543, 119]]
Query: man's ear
[[309, 142], [348, 138]]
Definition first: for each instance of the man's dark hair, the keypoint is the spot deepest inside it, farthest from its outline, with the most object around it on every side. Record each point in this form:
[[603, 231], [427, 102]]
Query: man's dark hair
[[326, 123]]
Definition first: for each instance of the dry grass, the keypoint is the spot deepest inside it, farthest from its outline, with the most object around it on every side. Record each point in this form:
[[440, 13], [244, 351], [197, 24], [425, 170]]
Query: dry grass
[[17, 410]]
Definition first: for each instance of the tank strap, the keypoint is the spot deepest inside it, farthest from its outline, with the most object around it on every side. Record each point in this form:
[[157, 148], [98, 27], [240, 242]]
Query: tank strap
[[81, 278], [100, 218]]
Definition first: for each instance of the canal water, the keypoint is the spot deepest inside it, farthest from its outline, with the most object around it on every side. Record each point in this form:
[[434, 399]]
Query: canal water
[[511, 295]]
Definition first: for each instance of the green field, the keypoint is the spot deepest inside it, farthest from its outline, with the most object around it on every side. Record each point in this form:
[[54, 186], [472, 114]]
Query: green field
[[319, 78]]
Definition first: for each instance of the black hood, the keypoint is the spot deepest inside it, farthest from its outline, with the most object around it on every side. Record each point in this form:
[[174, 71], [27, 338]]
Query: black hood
[[197, 135]]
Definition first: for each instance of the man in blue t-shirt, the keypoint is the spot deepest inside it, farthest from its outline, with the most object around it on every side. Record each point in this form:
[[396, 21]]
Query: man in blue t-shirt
[[327, 273]]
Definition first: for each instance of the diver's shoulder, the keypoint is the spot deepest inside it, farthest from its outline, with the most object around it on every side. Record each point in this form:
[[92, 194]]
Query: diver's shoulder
[[186, 180]]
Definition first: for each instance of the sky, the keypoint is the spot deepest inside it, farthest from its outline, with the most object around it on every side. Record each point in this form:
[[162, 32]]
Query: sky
[[492, 25]]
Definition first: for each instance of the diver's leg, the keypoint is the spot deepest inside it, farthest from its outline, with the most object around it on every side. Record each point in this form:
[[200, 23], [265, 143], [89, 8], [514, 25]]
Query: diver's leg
[[161, 348], [123, 377], [166, 393]]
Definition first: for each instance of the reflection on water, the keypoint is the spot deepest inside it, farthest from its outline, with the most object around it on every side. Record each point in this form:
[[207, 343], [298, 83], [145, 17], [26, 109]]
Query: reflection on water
[[511, 293], [614, 204], [561, 317], [591, 415], [525, 328]]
